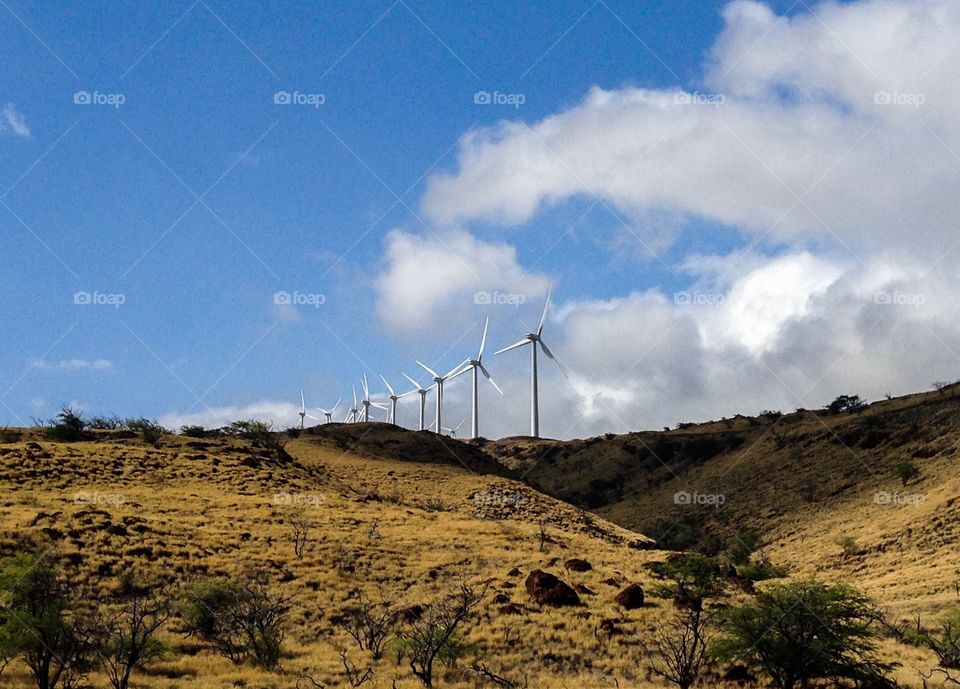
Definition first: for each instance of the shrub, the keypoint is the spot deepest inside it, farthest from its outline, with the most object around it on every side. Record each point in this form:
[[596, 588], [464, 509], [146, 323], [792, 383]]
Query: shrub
[[128, 640], [742, 546], [193, 431], [761, 571], [9, 436], [846, 403], [243, 620], [38, 625], [67, 426], [150, 431], [907, 471], [689, 579], [105, 423], [849, 545], [679, 651], [801, 632]]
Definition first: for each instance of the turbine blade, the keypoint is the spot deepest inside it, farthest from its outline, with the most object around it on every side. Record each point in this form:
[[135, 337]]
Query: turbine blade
[[366, 388], [388, 385], [513, 346], [483, 340], [415, 383], [311, 416], [354, 396], [459, 373], [456, 370], [486, 374], [303, 403], [543, 316], [428, 369], [336, 405], [546, 350], [378, 405]]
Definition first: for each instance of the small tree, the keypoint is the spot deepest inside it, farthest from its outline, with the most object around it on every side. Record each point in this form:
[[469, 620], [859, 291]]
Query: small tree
[[150, 431], [38, 625], [435, 635], [805, 631], [128, 639], [300, 525], [689, 580], [907, 471], [68, 426], [846, 403], [243, 620], [194, 431], [371, 625], [679, 652]]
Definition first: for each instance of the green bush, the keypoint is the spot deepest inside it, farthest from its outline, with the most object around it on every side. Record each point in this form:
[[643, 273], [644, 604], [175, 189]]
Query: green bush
[[67, 427], [689, 579], [907, 471], [801, 632], [150, 431], [194, 431], [753, 571], [846, 403]]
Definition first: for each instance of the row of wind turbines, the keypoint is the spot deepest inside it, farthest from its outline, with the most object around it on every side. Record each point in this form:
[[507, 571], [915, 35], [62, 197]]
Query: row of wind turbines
[[360, 410]]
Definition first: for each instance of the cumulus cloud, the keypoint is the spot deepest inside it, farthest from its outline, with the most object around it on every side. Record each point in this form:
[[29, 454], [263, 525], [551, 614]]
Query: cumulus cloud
[[829, 141], [14, 120], [280, 414]]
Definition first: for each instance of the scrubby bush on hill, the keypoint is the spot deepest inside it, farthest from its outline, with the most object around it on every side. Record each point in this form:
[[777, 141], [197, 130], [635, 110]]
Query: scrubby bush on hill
[[846, 403], [68, 426]]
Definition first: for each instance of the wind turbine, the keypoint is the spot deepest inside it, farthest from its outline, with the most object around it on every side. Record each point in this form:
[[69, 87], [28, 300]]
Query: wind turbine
[[303, 410], [474, 365], [392, 417], [453, 431], [367, 403], [534, 339], [329, 414], [352, 411], [423, 397], [439, 380]]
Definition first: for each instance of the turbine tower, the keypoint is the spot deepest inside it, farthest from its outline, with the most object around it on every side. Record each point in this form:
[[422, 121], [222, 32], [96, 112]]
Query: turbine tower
[[367, 403], [475, 365], [329, 414], [392, 418], [535, 339], [352, 412], [439, 380], [303, 410], [423, 397]]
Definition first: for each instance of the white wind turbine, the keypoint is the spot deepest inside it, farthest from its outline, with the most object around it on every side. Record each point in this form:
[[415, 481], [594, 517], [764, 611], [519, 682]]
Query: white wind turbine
[[303, 410], [439, 380], [392, 418], [329, 414], [453, 431], [423, 397], [534, 339], [352, 412], [475, 365], [367, 402]]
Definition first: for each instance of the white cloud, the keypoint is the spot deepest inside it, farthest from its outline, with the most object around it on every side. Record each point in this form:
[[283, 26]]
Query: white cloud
[[280, 414], [73, 365], [14, 120]]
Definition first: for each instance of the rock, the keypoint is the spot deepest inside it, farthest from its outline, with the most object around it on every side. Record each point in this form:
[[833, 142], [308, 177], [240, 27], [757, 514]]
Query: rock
[[501, 599], [737, 673], [546, 589], [611, 582], [631, 597], [510, 609], [515, 572], [583, 590], [577, 565], [609, 627]]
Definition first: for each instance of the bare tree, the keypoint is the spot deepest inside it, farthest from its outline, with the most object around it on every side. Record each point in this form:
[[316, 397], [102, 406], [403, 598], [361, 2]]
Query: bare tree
[[128, 639], [355, 676], [371, 625], [679, 651], [300, 524], [434, 636]]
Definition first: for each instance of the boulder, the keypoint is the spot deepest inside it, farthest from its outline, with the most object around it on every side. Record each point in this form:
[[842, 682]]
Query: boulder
[[631, 597], [546, 589], [577, 565]]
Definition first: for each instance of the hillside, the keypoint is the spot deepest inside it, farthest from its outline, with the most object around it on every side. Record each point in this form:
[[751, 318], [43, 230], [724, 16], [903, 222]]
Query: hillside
[[803, 480]]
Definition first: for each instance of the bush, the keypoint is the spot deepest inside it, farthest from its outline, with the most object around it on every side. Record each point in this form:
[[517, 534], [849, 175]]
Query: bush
[[243, 620], [688, 580], [66, 427], [128, 640], [805, 631], [846, 403], [38, 625], [907, 471], [105, 423], [761, 571], [9, 436], [150, 431], [194, 431], [849, 545]]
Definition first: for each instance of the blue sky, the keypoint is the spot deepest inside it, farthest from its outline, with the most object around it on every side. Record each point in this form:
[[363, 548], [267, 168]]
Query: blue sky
[[198, 198]]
